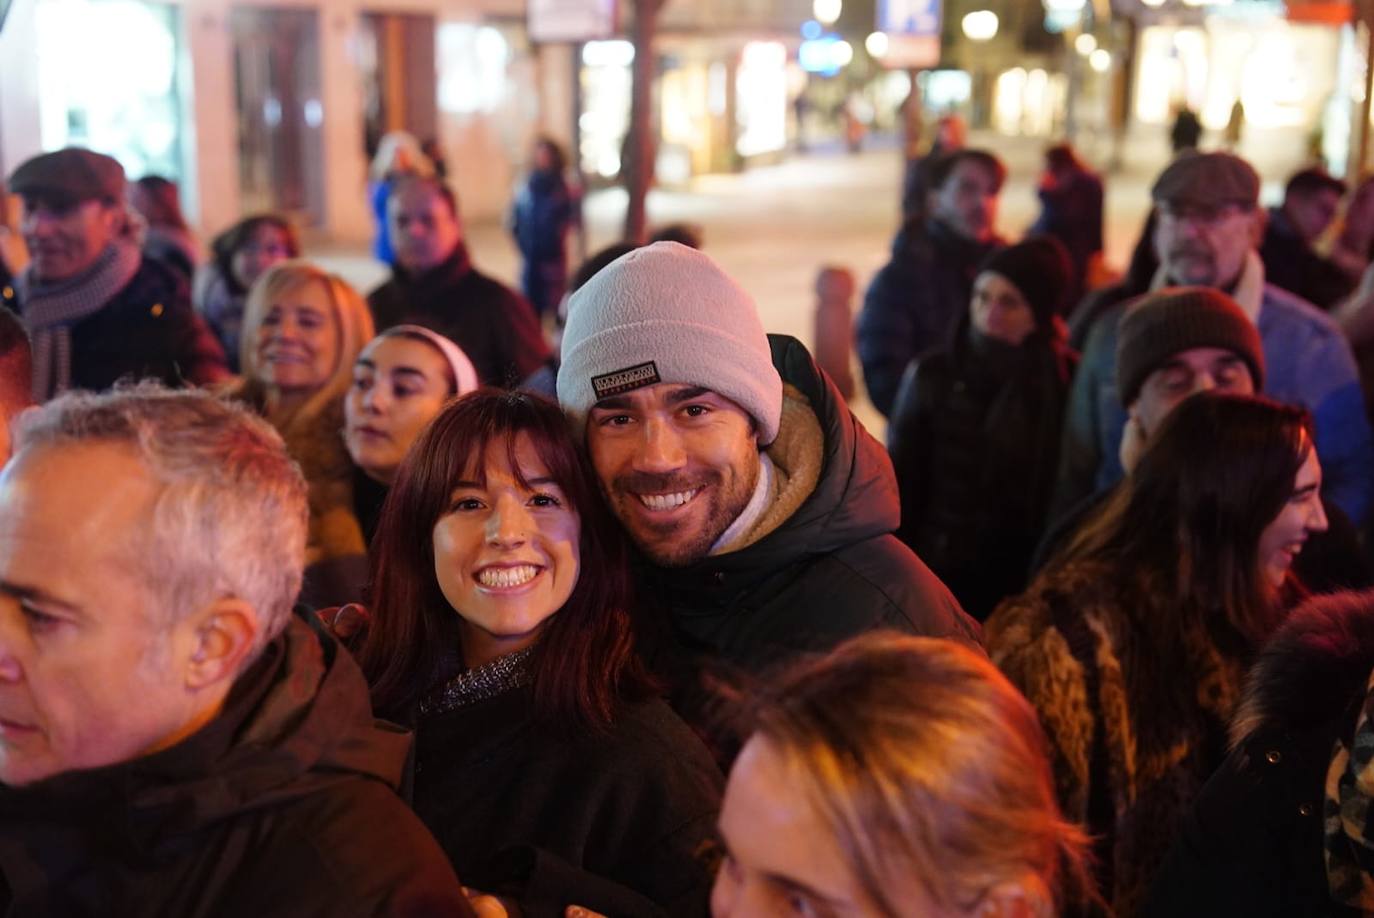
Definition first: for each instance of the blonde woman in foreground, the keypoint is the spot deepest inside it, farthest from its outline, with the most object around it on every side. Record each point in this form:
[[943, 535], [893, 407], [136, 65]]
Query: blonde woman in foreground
[[897, 776]]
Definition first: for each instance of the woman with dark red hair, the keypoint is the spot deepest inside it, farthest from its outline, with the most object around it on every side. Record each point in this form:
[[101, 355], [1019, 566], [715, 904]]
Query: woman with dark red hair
[[502, 630]]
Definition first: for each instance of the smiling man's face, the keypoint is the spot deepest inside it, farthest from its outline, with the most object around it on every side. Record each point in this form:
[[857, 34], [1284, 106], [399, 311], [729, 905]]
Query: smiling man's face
[[678, 464]]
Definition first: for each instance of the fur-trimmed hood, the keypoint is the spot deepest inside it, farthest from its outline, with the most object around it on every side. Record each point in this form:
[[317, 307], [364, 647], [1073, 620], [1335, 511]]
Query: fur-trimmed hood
[[1317, 662]]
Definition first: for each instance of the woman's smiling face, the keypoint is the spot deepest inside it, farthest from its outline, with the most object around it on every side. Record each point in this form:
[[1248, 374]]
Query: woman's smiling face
[[506, 552]]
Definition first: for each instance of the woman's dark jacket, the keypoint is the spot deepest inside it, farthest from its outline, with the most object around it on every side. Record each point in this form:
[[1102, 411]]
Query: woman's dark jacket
[[619, 821], [974, 439], [284, 805], [1254, 843]]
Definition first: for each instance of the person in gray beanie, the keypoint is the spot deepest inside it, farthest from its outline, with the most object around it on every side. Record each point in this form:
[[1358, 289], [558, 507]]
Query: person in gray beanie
[[762, 508]]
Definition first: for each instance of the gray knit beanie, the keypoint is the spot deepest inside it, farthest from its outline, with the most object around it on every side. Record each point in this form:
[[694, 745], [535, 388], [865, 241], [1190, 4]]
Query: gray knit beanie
[[1164, 323], [666, 313]]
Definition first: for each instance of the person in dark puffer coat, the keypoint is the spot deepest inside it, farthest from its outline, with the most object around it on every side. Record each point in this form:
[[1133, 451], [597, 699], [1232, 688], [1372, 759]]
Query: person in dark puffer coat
[[1264, 838], [974, 434]]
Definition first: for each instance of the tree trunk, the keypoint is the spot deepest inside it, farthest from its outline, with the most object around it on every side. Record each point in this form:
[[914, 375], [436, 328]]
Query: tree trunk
[[637, 170]]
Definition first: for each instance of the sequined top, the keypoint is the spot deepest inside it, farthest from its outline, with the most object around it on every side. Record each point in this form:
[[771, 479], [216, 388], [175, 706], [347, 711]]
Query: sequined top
[[473, 685]]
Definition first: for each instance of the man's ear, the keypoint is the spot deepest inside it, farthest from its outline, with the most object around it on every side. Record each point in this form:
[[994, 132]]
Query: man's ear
[[222, 634]]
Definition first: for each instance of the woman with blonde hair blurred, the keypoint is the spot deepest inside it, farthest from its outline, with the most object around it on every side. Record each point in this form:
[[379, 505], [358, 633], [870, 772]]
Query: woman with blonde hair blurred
[[897, 776], [302, 331], [398, 154]]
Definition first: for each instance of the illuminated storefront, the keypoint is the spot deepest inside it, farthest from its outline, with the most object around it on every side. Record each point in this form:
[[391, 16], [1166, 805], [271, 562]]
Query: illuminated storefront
[[1283, 73], [109, 79]]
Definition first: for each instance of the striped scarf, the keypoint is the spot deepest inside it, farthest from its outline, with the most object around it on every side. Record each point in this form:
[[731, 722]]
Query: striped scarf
[[51, 309]]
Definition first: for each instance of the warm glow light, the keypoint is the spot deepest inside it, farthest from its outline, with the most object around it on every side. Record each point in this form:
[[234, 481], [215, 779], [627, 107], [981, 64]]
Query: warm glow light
[[1100, 60], [1085, 44], [876, 44], [844, 53], [1155, 3], [980, 25], [826, 11]]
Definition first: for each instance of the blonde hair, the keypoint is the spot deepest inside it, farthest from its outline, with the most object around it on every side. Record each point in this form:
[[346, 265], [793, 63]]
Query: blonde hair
[[929, 768], [351, 314], [396, 144]]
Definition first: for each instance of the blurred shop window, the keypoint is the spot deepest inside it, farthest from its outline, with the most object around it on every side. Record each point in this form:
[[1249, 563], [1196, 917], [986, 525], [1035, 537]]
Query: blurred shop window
[[472, 68], [605, 118], [109, 80]]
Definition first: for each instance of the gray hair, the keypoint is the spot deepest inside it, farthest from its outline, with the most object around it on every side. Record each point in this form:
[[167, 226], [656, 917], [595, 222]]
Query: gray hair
[[230, 520]]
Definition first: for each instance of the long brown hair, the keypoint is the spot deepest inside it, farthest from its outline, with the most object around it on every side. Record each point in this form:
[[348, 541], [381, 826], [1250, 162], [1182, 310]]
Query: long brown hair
[[929, 768], [585, 659], [1217, 473]]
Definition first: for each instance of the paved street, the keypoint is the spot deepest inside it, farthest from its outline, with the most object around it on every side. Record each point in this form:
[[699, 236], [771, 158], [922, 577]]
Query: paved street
[[773, 227]]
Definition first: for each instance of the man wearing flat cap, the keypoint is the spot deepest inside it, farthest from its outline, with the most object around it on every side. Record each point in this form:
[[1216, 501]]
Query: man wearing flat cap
[[96, 309], [1208, 228]]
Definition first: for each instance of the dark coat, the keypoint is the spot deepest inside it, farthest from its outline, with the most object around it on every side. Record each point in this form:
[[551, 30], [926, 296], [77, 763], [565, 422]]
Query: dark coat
[[1071, 211], [284, 805], [493, 324], [913, 303], [1290, 262], [619, 822], [1253, 844], [830, 571], [974, 438], [148, 330]]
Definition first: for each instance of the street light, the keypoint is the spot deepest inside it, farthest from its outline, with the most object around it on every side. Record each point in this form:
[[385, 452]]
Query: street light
[[1100, 60], [1085, 44], [827, 11], [876, 44], [980, 25]]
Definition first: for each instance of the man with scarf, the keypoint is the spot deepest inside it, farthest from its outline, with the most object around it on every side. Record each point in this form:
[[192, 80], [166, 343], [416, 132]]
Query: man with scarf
[[97, 310], [1207, 232]]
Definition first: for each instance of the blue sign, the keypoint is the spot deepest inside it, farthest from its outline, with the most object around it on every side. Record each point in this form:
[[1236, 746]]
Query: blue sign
[[913, 32]]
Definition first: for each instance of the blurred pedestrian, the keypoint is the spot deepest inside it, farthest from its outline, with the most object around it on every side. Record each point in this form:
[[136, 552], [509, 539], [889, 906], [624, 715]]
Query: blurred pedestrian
[[1186, 132], [1353, 248], [950, 136], [176, 741], [833, 326], [545, 211], [166, 236], [763, 509], [1208, 225], [302, 331], [401, 380], [434, 284], [1235, 125], [1282, 828], [975, 428], [398, 155], [914, 301], [1133, 645], [98, 310], [1311, 200], [503, 629], [1071, 202], [896, 776], [238, 257]]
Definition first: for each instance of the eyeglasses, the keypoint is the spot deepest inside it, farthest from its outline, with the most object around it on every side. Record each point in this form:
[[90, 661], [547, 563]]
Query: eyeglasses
[[1201, 214]]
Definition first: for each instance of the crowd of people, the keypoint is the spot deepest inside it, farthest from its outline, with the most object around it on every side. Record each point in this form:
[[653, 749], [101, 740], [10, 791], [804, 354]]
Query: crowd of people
[[314, 602]]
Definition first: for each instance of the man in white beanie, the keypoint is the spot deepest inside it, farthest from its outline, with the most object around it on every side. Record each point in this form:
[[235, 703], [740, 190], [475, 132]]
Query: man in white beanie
[[764, 509]]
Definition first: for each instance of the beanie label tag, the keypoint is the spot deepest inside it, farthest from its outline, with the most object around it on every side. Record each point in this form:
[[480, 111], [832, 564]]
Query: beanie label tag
[[630, 378]]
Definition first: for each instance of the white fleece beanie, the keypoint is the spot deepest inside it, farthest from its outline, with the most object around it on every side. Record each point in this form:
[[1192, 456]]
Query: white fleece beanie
[[666, 313]]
